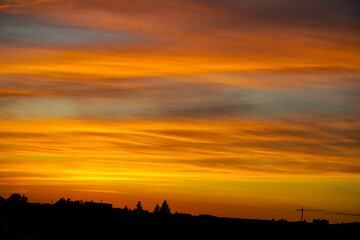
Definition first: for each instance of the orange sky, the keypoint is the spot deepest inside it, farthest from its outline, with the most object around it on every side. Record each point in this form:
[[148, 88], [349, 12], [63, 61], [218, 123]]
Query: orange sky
[[241, 109]]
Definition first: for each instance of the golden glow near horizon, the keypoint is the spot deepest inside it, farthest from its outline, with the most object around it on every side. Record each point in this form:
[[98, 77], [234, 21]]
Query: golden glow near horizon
[[220, 108]]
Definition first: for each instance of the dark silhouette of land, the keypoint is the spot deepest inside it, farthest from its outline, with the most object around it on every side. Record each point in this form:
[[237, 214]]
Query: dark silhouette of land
[[67, 219]]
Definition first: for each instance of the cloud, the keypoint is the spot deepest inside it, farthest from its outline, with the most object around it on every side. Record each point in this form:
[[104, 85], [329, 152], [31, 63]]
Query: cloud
[[129, 96], [180, 97], [333, 13], [276, 147], [219, 27], [24, 3], [4, 6], [29, 31]]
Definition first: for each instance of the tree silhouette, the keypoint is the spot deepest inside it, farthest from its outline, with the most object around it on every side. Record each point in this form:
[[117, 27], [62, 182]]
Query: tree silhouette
[[157, 209], [139, 207], [126, 208], [320, 221], [165, 210], [17, 198], [62, 202]]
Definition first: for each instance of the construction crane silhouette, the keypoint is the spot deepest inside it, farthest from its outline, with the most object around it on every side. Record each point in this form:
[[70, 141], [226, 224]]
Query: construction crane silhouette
[[302, 210]]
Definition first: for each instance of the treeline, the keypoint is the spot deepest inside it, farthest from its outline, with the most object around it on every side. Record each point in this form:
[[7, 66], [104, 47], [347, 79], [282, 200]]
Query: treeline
[[18, 200], [69, 219]]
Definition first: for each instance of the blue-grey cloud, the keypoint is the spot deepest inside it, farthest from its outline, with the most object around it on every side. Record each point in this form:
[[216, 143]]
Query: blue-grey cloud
[[27, 30], [166, 97]]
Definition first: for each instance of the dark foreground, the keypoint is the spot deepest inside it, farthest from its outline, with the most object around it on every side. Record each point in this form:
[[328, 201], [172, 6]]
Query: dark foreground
[[40, 222]]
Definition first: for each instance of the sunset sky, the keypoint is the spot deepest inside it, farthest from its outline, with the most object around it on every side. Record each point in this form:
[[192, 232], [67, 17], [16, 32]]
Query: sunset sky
[[245, 109]]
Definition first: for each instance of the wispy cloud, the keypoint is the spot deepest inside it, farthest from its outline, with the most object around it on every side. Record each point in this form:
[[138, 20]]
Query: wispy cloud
[[127, 96], [274, 147], [24, 3]]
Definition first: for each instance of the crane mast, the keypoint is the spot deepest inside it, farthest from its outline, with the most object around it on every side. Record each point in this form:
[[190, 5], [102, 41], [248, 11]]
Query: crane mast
[[302, 213]]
